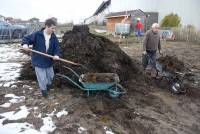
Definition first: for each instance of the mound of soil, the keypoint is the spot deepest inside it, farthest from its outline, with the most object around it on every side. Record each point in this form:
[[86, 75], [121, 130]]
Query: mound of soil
[[27, 72], [100, 77], [97, 53], [171, 63]]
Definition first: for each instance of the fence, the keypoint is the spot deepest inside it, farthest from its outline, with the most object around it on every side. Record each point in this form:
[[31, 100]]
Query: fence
[[189, 34]]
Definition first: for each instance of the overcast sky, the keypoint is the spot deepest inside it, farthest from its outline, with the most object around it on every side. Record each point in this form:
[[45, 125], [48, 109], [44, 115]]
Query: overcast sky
[[64, 10], [78, 10]]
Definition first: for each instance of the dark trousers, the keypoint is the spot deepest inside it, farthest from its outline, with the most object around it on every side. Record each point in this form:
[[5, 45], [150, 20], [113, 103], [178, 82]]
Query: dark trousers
[[149, 59]]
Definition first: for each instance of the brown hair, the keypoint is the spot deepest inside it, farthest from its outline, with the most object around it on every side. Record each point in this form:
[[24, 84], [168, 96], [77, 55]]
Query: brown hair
[[50, 22]]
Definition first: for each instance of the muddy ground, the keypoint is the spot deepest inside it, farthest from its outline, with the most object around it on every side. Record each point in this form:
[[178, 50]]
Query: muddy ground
[[145, 109]]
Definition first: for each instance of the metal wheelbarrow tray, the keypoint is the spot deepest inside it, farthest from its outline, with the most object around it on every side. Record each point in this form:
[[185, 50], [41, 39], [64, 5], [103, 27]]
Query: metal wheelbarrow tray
[[95, 81], [175, 79]]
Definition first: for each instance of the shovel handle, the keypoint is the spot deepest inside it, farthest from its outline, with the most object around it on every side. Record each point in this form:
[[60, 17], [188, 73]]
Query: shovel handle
[[50, 56]]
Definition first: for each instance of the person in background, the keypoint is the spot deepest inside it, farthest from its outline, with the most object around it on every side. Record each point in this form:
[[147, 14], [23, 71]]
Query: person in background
[[150, 46], [138, 28], [44, 41]]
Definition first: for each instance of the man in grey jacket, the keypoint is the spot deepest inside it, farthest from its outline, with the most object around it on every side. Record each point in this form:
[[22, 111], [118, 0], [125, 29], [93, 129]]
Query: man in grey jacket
[[151, 45]]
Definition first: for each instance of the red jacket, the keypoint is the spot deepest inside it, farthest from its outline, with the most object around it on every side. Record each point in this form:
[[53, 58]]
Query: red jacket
[[139, 25]]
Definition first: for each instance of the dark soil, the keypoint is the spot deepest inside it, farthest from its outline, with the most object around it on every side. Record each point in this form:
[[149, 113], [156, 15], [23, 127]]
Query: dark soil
[[144, 109], [171, 63], [97, 53], [100, 77]]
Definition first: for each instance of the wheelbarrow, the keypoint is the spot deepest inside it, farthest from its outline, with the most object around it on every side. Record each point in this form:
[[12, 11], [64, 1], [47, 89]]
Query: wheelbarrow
[[95, 81], [175, 79]]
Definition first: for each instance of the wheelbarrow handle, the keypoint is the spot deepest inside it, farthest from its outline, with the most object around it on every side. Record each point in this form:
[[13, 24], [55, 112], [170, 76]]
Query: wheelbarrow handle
[[72, 71], [50, 56]]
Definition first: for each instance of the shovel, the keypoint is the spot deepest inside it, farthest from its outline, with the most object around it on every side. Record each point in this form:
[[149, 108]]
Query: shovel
[[50, 56]]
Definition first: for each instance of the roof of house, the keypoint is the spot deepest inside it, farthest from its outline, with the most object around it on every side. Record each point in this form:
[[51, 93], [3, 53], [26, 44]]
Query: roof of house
[[102, 7], [137, 12]]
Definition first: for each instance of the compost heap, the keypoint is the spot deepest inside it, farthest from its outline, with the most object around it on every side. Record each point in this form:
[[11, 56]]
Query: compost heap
[[97, 53], [171, 63], [99, 77]]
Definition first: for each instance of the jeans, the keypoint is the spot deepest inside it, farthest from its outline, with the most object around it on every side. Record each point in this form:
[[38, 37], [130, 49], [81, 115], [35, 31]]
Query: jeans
[[139, 32], [44, 77], [151, 54]]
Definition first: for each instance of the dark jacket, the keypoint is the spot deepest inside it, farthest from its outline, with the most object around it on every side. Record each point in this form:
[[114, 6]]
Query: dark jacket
[[151, 41], [37, 40]]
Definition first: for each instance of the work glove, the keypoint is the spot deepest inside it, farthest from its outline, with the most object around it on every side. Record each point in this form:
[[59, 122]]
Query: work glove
[[56, 57]]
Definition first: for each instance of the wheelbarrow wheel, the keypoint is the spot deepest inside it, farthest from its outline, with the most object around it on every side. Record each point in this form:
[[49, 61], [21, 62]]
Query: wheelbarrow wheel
[[115, 91], [176, 88]]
